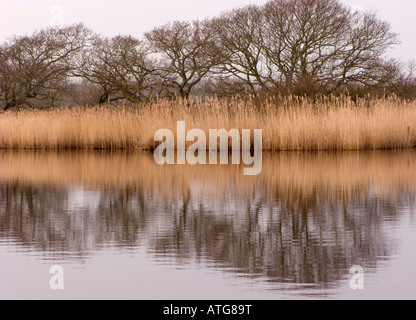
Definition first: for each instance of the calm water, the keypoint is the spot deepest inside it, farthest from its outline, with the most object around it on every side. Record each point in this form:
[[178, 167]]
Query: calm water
[[123, 227]]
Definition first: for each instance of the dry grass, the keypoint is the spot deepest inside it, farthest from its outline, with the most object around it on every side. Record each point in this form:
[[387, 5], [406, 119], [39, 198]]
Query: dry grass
[[289, 124]]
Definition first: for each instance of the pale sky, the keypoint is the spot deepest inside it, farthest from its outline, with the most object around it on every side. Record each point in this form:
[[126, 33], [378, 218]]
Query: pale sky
[[112, 17]]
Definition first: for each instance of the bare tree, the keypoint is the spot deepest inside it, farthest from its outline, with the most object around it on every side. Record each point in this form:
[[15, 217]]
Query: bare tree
[[407, 81], [92, 66], [34, 70], [81, 92], [121, 67], [186, 53], [240, 37], [393, 77], [302, 46], [318, 43]]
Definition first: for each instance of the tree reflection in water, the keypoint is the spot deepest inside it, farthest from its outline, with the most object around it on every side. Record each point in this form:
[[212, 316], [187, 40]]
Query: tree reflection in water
[[307, 219]]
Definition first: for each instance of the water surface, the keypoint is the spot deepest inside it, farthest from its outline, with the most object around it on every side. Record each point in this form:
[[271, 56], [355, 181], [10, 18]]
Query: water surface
[[124, 227]]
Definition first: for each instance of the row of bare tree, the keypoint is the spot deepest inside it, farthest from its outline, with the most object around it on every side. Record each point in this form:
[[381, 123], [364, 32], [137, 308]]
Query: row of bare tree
[[286, 46]]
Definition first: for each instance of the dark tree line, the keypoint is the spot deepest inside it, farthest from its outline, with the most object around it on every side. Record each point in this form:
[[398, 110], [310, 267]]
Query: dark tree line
[[304, 47]]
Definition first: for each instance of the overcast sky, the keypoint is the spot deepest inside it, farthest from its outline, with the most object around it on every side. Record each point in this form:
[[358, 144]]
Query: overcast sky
[[111, 17]]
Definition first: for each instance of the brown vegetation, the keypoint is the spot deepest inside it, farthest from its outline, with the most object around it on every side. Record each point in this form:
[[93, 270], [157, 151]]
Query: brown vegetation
[[288, 124]]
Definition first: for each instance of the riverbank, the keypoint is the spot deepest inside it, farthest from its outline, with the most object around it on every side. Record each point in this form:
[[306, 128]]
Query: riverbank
[[288, 124]]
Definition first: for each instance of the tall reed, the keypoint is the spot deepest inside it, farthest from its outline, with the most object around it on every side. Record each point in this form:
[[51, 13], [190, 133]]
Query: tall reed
[[288, 124]]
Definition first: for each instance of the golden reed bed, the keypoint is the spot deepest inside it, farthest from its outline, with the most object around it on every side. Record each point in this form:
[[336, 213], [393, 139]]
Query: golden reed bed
[[288, 124]]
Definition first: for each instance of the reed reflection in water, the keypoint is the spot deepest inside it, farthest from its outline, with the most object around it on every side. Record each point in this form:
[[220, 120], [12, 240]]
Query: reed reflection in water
[[304, 221]]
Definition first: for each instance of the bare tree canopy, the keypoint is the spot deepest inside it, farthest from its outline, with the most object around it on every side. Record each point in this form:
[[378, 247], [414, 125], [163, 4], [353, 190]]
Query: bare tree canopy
[[302, 44], [187, 53], [241, 40], [34, 69], [121, 67]]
